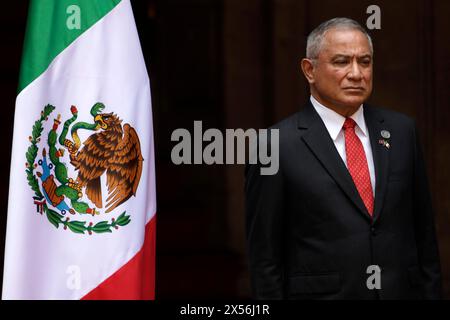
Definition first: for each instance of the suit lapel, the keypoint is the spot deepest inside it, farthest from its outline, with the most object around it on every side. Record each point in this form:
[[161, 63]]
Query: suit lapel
[[375, 123], [322, 146]]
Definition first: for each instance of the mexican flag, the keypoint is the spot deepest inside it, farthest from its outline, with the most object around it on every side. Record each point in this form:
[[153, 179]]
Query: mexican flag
[[82, 203]]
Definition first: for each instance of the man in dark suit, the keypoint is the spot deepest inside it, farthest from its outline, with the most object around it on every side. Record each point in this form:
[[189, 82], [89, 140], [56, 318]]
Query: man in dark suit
[[348, 214]]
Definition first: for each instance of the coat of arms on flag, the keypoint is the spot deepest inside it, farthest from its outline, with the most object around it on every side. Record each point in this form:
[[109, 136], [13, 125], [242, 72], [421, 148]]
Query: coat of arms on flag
[[111, 149]]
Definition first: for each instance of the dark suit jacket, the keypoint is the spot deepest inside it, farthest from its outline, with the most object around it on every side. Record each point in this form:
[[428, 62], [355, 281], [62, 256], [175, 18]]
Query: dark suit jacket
[[309, 234]]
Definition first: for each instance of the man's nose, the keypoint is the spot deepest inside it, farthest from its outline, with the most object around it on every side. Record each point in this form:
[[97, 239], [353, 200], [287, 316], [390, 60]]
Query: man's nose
[[355, 72]]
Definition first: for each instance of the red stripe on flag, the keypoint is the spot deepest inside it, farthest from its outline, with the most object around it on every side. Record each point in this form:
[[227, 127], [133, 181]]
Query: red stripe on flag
[[136, 279]]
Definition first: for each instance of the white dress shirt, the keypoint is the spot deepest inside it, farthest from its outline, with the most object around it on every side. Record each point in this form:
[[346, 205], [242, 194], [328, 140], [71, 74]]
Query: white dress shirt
[[334, 121]]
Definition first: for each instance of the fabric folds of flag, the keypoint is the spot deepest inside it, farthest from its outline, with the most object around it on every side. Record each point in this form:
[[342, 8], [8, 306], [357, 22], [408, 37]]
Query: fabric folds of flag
[[82, 200]]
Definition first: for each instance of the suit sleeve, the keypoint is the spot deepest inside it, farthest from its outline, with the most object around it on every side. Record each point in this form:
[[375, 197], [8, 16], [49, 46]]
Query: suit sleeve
[[264, 222], [426, 242]]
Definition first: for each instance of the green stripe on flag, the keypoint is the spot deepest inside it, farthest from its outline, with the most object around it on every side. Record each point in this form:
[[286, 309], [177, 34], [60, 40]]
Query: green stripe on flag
[[48, 33]]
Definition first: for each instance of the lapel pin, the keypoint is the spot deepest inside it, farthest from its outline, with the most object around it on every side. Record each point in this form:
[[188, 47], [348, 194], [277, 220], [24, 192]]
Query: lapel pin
[[384, 143], [385, 134]]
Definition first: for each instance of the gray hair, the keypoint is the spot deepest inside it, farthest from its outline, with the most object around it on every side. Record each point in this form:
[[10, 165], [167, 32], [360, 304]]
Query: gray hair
[[315, 38]]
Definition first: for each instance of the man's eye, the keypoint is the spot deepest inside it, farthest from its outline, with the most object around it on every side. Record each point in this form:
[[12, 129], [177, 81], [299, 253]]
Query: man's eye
[[340, 62]]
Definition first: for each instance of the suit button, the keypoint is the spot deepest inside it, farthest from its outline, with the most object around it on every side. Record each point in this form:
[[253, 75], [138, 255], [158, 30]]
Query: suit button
[[373, 231]]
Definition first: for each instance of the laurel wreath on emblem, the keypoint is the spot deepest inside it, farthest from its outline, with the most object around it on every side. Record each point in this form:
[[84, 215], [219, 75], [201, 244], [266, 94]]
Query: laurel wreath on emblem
[[113, 149]]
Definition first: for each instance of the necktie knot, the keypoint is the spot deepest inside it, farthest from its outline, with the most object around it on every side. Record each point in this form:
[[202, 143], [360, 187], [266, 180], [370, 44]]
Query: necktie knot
[[349, 124]]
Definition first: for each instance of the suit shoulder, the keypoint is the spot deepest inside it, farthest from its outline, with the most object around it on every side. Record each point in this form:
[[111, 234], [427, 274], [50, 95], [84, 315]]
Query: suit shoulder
[[393, 117], [287, 123]]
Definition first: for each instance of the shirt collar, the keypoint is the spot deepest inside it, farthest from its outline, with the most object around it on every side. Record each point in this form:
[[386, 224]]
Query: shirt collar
[[334, 121]]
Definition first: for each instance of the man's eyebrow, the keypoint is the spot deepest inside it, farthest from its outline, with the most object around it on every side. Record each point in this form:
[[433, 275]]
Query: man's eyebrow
[[337, 56]]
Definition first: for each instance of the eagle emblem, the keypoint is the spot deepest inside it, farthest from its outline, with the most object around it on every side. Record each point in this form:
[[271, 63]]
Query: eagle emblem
[[114, 150], [111, 149]]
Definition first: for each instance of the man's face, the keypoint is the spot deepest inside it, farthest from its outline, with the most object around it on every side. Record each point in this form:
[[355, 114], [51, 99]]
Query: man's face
[[342, 74]]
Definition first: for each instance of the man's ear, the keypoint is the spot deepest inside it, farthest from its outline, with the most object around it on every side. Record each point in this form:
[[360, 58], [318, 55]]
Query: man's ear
[[308, 68]]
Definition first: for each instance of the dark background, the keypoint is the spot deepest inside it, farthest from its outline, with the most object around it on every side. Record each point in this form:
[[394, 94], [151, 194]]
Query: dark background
[[235, 64]]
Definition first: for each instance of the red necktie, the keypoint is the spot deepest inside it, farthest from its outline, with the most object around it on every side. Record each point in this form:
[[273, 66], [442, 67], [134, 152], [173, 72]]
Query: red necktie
[[357, 164]]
